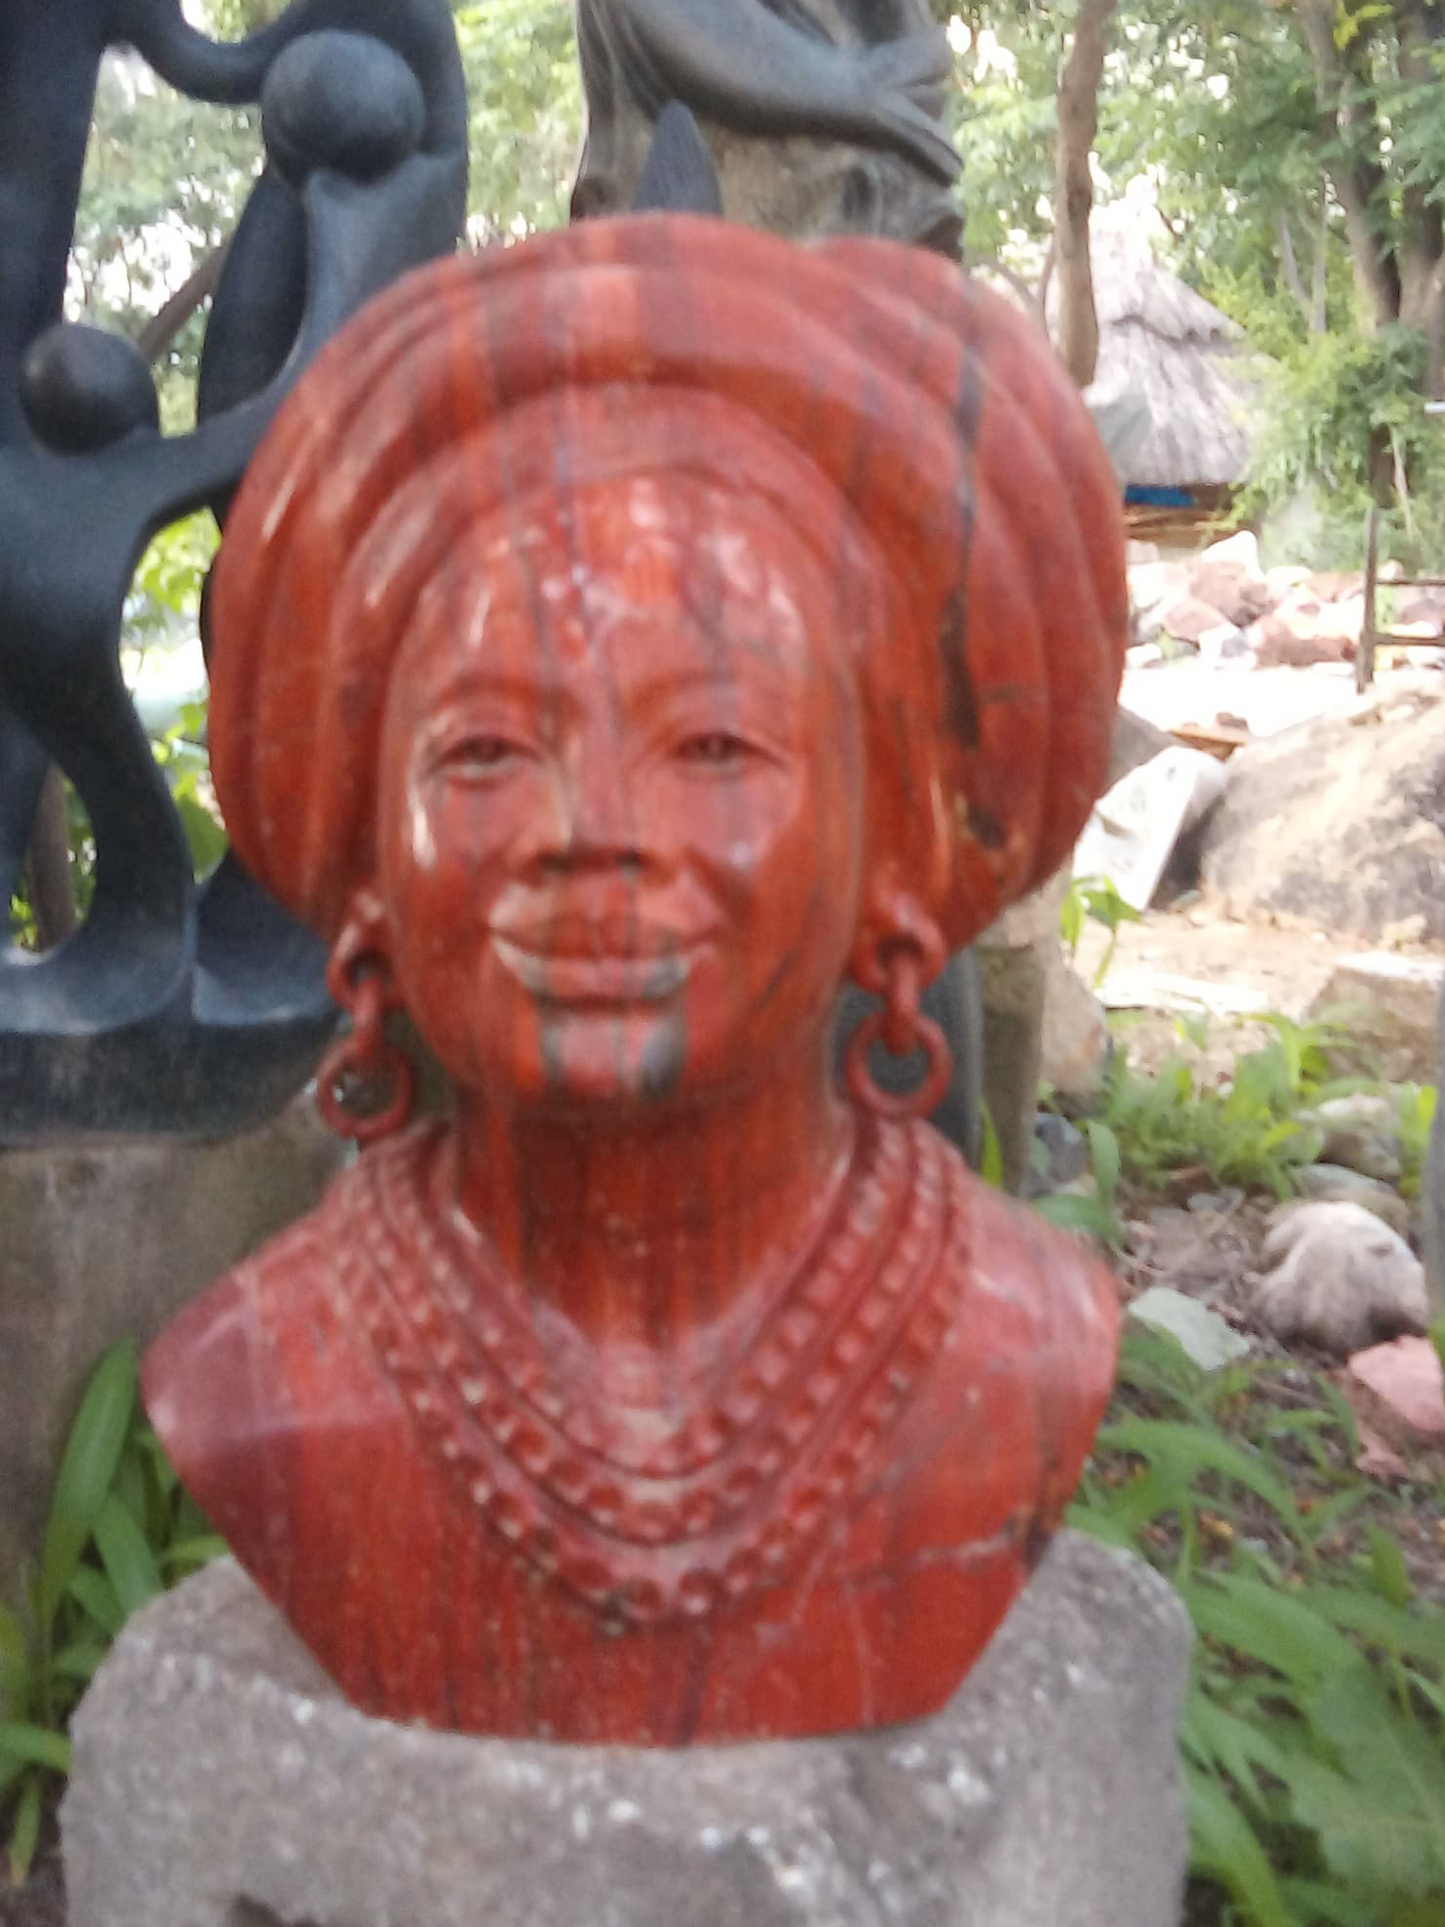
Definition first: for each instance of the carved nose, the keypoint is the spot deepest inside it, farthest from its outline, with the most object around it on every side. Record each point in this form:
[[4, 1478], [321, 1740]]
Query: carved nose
[[596, 814]]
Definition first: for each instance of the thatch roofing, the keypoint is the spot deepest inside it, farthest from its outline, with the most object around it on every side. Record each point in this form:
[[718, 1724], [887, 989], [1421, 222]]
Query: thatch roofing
[[1167, 346]]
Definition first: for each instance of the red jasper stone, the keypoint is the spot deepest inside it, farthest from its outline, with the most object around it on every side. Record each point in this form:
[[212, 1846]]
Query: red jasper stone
[[619, 642]]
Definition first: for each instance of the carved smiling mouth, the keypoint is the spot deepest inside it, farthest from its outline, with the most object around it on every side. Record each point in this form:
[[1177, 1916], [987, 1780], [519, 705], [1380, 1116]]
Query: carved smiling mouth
[[582, 962]]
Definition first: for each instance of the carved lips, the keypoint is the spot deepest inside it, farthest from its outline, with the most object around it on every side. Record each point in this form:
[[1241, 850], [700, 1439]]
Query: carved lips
[[578, 960]]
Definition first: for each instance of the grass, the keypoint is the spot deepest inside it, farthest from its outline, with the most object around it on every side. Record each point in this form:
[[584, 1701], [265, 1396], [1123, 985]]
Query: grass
[[1314, 1734], [120, 1530]]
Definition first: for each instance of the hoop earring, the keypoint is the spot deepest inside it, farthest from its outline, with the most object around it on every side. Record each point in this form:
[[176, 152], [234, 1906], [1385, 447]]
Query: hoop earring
[[902, 1028], [365, 1057]]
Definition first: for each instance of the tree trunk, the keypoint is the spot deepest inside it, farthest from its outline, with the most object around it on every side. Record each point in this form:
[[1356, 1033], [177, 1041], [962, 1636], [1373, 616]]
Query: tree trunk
[[1078, 328], [1353, 134], [1422, 253], [1319, 287]]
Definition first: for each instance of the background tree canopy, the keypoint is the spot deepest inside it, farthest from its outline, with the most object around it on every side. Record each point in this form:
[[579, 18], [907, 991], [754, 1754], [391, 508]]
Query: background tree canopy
[[1294, 149]]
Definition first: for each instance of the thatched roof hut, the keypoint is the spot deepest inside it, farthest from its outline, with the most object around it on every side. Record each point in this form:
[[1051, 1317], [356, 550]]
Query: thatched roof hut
[[1167, 347]]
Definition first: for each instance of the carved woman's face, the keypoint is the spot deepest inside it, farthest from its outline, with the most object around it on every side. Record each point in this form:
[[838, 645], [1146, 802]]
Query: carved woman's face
[[621, 799]]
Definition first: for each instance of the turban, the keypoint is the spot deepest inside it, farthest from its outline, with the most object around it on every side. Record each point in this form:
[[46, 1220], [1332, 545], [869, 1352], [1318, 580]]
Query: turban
[[910, 425]]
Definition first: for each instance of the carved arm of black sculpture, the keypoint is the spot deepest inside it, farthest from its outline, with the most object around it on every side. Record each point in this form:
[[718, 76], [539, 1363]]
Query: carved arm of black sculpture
[[175, 1008]]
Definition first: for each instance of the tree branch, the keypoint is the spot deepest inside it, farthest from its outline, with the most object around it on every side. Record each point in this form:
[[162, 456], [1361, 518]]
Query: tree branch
[[1078, 340], [163, 327]]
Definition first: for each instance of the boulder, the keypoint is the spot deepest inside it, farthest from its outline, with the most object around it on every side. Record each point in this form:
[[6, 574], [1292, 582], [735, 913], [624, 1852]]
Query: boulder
[[1337, 825], [1391, 1002], [1136, 823], [1061, 1154], [1230, 583], [1135, 741], [1407, 1376], [1305, 629], [1422, 611], [1361, 1132], [1151, 584], [1336, 1277], [1281, 581], [1336, 1184], [1227, 643], [1335, 585], [1186, 618]]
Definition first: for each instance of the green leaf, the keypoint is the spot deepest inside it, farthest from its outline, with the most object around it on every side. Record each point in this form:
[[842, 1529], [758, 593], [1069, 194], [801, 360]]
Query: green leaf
[[1187, 1450], [1404, 1635], [1225, 1846], [129, 1562], [1381, 1821], [1392, 1577], [86, 1470], [990, 1166], [1322, 1904], [1269, 1626], [79, 1660], [35, 1745], [1068, 1211], [190, 1553], [94, 1592], [15, 1668], [1104, 1150], [25, 1830], [1428, 1910], [1243, 1747]]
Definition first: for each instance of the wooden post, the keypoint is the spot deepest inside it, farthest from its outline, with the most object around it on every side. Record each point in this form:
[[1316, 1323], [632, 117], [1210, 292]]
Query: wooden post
[[1365, 656]]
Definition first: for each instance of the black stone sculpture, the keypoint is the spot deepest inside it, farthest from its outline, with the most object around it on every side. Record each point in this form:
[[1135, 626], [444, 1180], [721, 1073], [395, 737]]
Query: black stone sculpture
[[177, 1007], [681, 172], [824, 116]]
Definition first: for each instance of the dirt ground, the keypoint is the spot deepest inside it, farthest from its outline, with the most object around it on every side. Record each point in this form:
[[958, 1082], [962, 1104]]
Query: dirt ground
[[1188, 960], [1204, 1241]]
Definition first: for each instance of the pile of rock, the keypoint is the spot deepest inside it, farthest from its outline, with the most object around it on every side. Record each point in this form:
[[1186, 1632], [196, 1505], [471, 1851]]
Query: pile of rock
[[1225, 605]]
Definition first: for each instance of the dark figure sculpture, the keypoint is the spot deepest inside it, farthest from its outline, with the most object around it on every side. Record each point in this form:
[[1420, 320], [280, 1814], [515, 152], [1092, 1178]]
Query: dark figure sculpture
[[174, 1009], [825, 116], [605, 688]]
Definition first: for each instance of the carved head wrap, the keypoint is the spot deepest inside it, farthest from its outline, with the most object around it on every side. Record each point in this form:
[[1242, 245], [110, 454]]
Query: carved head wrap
[[911, 427]]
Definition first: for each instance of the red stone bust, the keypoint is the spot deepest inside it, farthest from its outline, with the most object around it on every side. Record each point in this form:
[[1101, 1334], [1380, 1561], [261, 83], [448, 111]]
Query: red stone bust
[[620, 642]]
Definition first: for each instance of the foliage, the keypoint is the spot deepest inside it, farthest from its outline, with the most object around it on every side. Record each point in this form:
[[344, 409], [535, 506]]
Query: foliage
[[120, 1530], [1415, 1114], [1094, 898], [1331, 398], [524, 98], [1248, 1133], [166, 592], [1314, 1733]]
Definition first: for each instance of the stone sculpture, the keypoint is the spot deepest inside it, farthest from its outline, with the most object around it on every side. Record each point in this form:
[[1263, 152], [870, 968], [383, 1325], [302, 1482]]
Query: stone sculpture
[[822, 116], [178, 1007], [621, 640]]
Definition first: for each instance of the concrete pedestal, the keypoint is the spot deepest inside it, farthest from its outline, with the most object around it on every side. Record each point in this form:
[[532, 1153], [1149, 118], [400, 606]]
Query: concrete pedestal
[[111, 1238], [221, 1782]]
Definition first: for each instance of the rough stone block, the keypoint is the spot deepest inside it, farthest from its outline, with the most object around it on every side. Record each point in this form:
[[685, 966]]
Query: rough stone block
[[1394, 1002], [110, 1238], [221, 1782]]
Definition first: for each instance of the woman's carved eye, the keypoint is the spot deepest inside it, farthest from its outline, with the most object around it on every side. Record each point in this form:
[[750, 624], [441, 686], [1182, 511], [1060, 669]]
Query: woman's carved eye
[[480, 756], [715, 749]]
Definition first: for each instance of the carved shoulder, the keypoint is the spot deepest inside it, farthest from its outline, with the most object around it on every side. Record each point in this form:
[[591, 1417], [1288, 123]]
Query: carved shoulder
[[247, 1374]]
